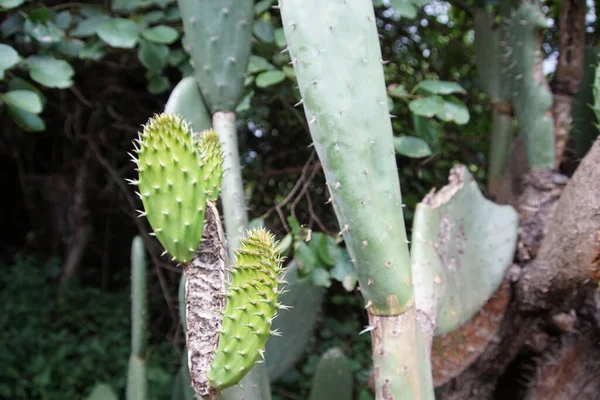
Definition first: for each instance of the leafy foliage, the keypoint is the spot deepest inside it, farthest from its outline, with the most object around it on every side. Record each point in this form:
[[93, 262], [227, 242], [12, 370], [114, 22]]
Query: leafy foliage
[[58, 347]]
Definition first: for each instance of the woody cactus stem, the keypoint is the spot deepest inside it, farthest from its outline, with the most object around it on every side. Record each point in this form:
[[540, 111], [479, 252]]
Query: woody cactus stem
[[233, 199], [340, 76]]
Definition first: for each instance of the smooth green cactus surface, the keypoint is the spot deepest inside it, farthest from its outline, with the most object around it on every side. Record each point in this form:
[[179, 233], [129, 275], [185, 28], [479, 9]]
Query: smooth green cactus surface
[[219, 35], [462, 246], [531, 95], [251, 307], [337, 60], [333, 379], [178, 172], [136, 376], [185, 100]]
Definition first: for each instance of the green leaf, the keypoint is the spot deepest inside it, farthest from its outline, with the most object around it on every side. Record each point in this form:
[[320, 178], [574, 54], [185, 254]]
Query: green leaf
[[344, 271], [440, 87], [63, 19], [262, 6], [153, 17], [102, 391], [411, 146], [405, 8], [425, 129], [176, 57], [245, 102], [325, 247], [280, 40], [320, 277], [23, 99], [88, 27], [44, 33], [305, 258], [8, 4], [93, 50], [269, 78], [454, 110], [8, 58], [161, 34], [50, 72], [119, 32], [22, 84], [158, 84], [397, 91], [153, 56], [264, 31], [258, 64], [71, 47], [12, 24], [284, 245], [427, 106], [26, 120]]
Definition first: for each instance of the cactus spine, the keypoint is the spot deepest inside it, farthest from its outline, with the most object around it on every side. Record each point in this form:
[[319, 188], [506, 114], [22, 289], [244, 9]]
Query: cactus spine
[[340, 76], [136, 377]]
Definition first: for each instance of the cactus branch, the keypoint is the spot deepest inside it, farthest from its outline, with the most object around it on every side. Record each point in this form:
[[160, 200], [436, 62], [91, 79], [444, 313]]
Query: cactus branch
[[340, 77], [233, 198], [136, 377]]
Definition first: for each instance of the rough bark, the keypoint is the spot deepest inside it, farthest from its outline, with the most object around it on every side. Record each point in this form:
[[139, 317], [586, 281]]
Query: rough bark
[[205, 301], [569, 256], [555, 269]]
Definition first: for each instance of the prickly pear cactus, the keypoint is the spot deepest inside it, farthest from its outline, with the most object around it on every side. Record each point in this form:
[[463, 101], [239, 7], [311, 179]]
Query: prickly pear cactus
[[227, 328], [251, 307], [186, 101], [531, 95], [178, 172], [333, 379], [462, 246], [219, 34]]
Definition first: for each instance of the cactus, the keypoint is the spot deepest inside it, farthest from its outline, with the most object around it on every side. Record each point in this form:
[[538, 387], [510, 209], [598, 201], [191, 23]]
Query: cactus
[[489, 65], [186, 101], [251, 307], [340, 77], [225, 340], [296, 325], [218, 35], [462, 246], [531, 95], [333, 378], [219, 38], [177, 174], [136, 377], [585, 128]]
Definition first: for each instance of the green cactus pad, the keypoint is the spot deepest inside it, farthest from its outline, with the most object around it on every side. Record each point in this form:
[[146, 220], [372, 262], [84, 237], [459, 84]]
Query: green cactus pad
[[250, 309], [333, 379], [178, 172], [462, 246], [186, 101], [219, 35], [531, 95]]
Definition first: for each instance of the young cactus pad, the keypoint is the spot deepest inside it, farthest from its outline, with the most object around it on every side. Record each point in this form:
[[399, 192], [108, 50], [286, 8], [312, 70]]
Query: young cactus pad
[[251, 307], [178, 172]]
